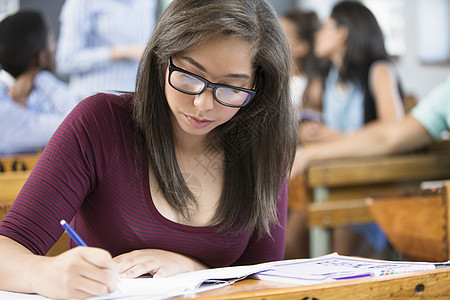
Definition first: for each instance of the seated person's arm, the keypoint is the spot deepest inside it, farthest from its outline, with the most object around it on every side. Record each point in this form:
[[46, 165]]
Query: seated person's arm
[[374, 139], [23, 86]]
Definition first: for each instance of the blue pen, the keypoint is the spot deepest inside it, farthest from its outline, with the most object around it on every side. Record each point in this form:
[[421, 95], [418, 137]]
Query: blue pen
[[73, 234], [354, 276]]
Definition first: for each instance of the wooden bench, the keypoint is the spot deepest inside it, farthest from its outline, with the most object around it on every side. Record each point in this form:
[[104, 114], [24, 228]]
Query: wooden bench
[[337, 189], [19, 162], [15, 171], [10, 185], [434, 284], [416, 223]]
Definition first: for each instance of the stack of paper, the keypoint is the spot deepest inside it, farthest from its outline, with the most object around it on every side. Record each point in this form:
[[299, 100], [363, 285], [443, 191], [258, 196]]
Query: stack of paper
[[334, 267], [182, 284]]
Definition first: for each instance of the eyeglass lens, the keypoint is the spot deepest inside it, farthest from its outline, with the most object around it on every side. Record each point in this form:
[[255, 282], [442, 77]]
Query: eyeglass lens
[[193, 85]]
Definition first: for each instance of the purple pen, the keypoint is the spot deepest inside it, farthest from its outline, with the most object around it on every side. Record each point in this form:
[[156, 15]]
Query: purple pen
[[362, 275]]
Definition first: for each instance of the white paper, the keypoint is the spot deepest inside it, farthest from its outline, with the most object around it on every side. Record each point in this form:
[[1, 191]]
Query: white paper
[[297, 271], [334, 267], [181, 284]]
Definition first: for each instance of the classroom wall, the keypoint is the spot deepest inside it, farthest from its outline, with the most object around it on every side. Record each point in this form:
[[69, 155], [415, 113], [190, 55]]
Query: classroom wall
[[417, 77], [49, 8]]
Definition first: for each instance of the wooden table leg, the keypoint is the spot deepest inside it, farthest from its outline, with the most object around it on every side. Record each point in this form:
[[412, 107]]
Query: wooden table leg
[[320, 237]]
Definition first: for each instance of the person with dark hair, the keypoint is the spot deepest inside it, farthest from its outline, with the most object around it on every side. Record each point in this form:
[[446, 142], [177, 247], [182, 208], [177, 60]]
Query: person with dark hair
[[361, 87], [362, 84], [189, 172], [33, 102], [300, 27]]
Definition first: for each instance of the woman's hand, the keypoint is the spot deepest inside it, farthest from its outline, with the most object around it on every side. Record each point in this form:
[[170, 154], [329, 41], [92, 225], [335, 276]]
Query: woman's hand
[[159, 263], [311, 131], [79, 273]]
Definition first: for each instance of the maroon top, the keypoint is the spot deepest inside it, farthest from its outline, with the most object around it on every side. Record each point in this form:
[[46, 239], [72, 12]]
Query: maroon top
[[91, 174]]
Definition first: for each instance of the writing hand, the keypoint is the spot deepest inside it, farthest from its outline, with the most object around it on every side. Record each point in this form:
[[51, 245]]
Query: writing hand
[[158, 263], [79, 273]]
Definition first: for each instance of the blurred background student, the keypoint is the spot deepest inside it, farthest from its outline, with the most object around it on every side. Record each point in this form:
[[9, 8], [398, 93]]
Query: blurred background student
[[361, 87], [305, 88], [100, 43], [426, 123], [33, 102], [300, 27], [362, 84]]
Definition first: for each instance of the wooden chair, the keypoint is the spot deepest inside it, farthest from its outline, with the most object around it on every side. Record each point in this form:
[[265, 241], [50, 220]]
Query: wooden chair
[[416, 223], [337, 189], [19, 162], [10, 185]]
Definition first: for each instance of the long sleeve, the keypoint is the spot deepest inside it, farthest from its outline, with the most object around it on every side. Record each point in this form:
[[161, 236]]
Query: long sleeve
[[56, 93], [23, 130], [65, 174], [433, 111], [28, 129]]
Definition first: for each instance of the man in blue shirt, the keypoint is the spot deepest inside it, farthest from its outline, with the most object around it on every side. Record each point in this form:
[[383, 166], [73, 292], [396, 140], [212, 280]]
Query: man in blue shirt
[[33, 102]]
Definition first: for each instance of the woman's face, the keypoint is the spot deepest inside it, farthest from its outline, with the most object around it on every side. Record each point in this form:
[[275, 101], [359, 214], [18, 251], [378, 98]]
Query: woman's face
[[330, 39], [298, 46], [220, 60]]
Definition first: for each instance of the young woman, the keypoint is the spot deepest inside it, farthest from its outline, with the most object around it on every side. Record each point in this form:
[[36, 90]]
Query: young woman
[[187, 173], [361, 87]]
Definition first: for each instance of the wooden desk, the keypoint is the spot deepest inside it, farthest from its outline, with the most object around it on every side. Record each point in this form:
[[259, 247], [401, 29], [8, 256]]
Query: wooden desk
[[18, 162], [417, 224], [10, 185], [419, 285], [350, 180]]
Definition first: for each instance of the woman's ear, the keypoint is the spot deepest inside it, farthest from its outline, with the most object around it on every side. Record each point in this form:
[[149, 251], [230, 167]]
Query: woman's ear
[[44, 60], [342, 33], [41, 59]]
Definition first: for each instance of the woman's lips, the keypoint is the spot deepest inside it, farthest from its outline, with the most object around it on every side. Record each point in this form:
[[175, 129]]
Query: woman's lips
[[198, 123]]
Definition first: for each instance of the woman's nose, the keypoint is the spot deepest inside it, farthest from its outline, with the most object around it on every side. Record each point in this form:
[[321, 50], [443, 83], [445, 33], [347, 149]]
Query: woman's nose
[[205, 100]]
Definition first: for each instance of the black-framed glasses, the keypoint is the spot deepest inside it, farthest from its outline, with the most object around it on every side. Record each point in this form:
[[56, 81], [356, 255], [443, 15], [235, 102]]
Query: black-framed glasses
[[191, 84]]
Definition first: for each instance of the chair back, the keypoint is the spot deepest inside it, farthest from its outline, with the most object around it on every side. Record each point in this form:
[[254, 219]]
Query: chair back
[[417, 223]]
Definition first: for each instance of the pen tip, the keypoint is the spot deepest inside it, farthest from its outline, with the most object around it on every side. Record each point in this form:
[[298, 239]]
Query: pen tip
[[62, 222]]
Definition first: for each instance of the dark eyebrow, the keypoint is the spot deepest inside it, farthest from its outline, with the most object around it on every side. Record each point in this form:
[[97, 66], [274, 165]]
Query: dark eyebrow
[[202, 68]]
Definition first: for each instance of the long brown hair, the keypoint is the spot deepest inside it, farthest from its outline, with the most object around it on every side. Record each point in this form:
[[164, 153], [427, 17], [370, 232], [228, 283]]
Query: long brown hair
[[258, 142]]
